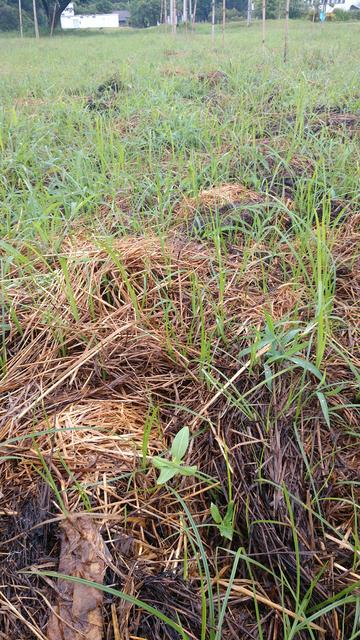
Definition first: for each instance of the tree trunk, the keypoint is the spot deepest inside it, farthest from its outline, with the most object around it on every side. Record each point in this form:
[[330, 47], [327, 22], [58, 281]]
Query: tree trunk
[[263, 21], [53, 21], [223, 21], [213, 21], [185, 16], [286, 41], [190, 9], [60, 7], [21, 20], [174, 16], [35, 20], [194, 15], [249, 13]]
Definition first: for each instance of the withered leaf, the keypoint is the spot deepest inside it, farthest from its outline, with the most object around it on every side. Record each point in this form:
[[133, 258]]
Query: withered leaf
[[77, 613]]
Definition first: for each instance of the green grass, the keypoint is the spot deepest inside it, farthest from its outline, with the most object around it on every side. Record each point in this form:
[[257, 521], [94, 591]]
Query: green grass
[[166, 140], [121, 170]]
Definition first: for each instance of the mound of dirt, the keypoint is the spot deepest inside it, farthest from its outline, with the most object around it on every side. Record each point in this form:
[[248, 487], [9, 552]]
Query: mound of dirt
[[104, 98], [233, 205], [213, 78], [222, 199], [174, 71], [282, 168], [337, 120]]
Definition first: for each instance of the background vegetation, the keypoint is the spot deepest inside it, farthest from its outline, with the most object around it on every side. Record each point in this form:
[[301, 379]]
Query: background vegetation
[[142, 13]]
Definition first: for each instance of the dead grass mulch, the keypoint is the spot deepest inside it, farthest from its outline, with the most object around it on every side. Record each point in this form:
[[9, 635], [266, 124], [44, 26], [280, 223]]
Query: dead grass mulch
[[88, 370]]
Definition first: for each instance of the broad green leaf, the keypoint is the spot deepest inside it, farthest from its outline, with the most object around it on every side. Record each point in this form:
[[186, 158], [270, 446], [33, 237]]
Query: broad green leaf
[[166, 475], [160, 463], [215, 513], [226, 530], [180, 444], [307, 366], [324, 406], [187, 471], [291, 351], [257, 346], [290, 335], [169, 469], [269, 323]]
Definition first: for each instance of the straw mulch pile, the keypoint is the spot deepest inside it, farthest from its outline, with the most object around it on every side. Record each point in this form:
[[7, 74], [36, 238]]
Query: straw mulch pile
[[122, 350]]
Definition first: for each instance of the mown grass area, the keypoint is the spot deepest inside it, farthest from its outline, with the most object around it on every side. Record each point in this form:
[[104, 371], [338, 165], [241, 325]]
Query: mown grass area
[[180, 247]]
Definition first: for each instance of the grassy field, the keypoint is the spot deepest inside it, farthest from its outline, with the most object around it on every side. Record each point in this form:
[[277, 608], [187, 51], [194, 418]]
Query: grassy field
[[179, 242]]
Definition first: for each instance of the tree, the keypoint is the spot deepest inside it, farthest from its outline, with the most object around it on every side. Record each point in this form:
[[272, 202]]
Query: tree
[[272, 9], [9, 18], [174, 16], [145, 13], [36, 25], [194, 16], [53, 10], [104, 6], [249, 12], [20, 20]]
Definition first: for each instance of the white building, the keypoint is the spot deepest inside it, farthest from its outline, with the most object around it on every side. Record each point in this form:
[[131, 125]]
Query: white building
[[344, 5], [69, 20]]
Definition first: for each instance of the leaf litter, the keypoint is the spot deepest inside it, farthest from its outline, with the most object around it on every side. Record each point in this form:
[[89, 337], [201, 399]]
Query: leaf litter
[[78, 611]]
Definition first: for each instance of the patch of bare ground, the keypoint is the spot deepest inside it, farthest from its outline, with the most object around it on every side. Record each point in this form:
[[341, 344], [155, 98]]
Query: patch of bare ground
[[213, 78], [338, 118], [233, 205], [170, 53], [124, 126], [104, 98], [168, 71], [89, 371], [284, 166]]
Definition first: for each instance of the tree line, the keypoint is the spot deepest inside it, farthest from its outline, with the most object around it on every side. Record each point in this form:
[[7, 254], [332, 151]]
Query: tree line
[[143, 13]]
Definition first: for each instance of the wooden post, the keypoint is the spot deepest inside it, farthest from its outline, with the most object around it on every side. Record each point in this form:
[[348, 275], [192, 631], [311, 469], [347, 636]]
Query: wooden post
[[263, 21], [21, 20], [286, 41], [37, 35]]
